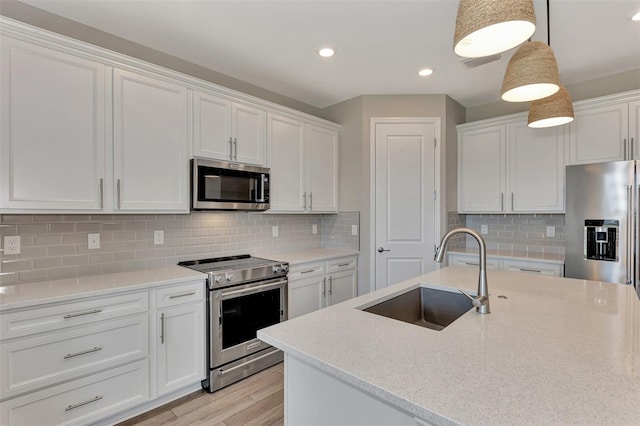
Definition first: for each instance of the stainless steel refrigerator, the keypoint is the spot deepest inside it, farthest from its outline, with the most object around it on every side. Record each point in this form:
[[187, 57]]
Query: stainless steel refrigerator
[[602, 232]]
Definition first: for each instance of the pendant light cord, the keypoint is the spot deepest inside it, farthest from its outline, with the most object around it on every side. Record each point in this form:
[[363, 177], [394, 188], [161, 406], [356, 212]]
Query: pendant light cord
[[548, 26]]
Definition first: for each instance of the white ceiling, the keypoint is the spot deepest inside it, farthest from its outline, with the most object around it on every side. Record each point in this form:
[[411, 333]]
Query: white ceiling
[[380, 45]]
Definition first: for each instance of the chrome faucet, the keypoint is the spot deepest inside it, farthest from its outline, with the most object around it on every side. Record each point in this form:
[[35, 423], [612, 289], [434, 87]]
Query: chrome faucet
[[481, 301]]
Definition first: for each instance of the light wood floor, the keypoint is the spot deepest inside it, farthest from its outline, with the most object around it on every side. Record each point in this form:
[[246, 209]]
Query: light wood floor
[[256, 400]]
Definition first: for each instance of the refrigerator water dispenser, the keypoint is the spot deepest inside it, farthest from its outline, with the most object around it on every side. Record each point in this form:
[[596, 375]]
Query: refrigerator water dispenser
[[601, 239]]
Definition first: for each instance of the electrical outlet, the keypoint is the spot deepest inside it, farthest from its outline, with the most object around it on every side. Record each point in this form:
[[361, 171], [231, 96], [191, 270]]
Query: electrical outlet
[[314, 229], [274, 231], [12, 245], [354, 229], [484, 229], [551, 231], [94, 241], [158, 237]]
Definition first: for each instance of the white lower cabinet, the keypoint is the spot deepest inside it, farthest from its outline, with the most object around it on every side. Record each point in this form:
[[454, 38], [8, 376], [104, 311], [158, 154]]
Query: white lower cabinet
[[526, 266], [87, 360], [316, 285], [180, 339]]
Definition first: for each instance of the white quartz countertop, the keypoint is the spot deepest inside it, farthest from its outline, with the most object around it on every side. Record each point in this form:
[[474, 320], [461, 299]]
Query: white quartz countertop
[[313, 255], [514, 255], [63, 290], [555, 351]]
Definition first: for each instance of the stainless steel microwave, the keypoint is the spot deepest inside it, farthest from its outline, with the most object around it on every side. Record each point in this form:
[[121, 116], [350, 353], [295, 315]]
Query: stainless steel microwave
[[219, 185]]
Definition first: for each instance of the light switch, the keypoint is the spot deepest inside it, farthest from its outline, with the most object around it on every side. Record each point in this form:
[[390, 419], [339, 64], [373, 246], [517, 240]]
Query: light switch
[[484, 229], [274, 231], [354, 229], [551, 231], [314, 229], [158, 237], [94, 241]]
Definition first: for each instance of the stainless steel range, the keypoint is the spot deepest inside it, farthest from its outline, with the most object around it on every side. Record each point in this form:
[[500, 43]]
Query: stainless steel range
[[245, 295]]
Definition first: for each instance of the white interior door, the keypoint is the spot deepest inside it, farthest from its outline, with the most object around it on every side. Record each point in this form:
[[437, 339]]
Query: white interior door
[[404, 201]]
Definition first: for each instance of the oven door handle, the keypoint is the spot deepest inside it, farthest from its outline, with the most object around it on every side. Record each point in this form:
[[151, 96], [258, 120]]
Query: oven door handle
[[222, 372], [249, 290]]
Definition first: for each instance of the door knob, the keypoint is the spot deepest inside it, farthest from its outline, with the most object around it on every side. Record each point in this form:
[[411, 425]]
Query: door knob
[[381, 249]]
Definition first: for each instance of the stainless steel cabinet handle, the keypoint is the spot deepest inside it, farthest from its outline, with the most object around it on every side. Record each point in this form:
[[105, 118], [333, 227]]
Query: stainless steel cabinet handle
[[80, 404], [311, 201], [162, 328], [471, 264], [625, 150], [305, 200], [101, 193], [118, 191], [502, 201], [381, 249], [175, 296], [324, 287], [230, 148], [343, 264], [530, 270], [307, 272], [512, 201], [88, 351], [235, 149], [330, 286], [80, 314]]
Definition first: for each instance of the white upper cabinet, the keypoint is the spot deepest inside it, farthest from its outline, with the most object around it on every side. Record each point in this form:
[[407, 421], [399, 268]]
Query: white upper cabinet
[[536, 169], [481, 169], [510, 168], [150, 121], [52, 149], [304, 166], [228, 131], [634, 128], [599, 134], [322, 169]]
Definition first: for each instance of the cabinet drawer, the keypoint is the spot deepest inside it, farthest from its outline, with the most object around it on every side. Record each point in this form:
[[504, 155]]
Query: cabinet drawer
[[54, 317], [177, 295], [306, 270], [342, 264], [533, 267], [31, 363], [81, 401], [472, 261]]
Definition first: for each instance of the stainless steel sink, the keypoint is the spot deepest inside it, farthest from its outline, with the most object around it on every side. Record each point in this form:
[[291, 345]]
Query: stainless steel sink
[[427, 307]]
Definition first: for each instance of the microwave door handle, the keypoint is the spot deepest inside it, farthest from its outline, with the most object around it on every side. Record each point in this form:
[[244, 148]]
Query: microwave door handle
[[261, 196]]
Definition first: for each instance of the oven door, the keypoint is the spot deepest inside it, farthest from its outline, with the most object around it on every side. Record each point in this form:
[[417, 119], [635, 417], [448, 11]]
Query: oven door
[[237, 313]]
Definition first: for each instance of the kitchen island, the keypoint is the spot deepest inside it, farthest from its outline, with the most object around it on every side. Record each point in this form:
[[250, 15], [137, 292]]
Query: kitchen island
[[552, 351]]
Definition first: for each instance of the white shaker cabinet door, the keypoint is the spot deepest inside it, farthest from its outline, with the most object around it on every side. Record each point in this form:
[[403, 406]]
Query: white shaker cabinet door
[[307, 295], [342, 286], [53, 124], [286, 154], [536, 169], [481, 170], [599, 134], [322, 170], [211, 127], [249, 135], [150, 144]]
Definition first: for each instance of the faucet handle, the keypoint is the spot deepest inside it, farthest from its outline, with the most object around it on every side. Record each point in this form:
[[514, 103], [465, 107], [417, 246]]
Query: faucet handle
[[476, 301]]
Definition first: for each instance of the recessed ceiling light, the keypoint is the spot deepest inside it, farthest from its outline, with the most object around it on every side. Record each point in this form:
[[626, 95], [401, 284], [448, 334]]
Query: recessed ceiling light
[[636, 17], [326, 52], [425, 72]]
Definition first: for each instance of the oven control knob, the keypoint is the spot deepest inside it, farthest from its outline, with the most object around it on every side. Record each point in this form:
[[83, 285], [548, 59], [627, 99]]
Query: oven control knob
[[276, 269], [285, 268], [217, 278], [229, 277]]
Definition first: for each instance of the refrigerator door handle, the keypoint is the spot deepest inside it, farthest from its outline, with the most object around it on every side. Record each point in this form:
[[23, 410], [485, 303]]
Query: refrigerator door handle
[[630, 233]]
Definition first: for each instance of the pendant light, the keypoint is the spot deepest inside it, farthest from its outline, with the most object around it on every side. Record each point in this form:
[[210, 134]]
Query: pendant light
[[487, 27], [554, 110], [532, 72]]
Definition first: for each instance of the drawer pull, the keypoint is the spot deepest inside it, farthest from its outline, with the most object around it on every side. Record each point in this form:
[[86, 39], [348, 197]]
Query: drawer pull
[[307, 272], [344, 264], [80, 314], [80, 404], [471, 264], [175, 296], [530, 270], [88, 351]]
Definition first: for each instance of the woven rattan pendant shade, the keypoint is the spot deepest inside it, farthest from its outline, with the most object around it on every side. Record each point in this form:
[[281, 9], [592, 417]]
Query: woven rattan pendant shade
[[532, 74], [554, 110], [487, 27]]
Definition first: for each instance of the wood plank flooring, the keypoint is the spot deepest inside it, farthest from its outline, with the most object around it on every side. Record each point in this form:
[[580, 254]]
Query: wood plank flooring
[[257, 401]]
